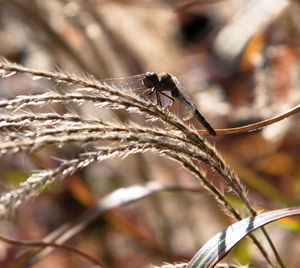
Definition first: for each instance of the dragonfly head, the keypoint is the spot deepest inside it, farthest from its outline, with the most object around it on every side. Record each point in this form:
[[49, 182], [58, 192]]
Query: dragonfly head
[[150, 80]]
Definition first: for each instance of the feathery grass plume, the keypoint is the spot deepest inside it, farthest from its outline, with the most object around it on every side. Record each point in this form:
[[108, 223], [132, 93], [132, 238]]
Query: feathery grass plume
[[39, 180], [191, 136], [174, 151], [178, 140], [108, 92], [120, 99], [20, 120]]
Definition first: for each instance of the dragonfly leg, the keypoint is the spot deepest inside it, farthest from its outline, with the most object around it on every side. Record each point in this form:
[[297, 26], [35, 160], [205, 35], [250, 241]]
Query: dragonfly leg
[[143, 91], [149, 92], [167, 97], [146, 93], [158, 99]]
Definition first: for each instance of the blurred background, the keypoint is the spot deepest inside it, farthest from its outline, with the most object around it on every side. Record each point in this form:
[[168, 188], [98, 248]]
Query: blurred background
[[239, 61]]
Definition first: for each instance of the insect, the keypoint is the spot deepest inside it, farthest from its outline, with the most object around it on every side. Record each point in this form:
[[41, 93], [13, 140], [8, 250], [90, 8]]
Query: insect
[[162, 89]]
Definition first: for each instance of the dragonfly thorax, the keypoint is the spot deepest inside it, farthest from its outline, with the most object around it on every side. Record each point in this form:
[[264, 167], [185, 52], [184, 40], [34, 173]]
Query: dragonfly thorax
[[161, 82], [167, 83]]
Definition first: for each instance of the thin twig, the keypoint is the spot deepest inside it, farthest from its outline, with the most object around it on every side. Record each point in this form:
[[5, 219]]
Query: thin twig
[[253, 127]]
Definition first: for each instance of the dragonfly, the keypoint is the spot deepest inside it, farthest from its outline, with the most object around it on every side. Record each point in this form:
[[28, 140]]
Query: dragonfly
[[162, 89]]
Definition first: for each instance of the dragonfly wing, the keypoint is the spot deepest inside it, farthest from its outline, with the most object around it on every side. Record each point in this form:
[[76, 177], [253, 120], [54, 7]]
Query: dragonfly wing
[[150, 95], [193, 111], [186, 107], [132, 83], [166, 99], [185, 97], [186, 112]]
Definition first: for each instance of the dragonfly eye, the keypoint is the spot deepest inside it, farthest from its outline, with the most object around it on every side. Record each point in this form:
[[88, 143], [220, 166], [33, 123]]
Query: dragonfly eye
[[150, 80]]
